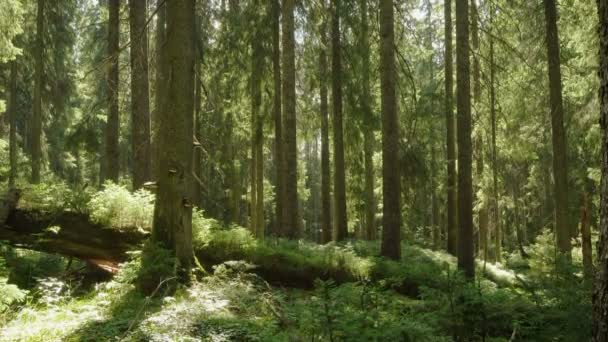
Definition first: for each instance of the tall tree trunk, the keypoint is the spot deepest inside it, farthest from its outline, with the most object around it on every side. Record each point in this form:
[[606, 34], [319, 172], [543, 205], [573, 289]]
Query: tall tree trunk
[[278, 125], [290, 206], [391, 180], [140, 105], [560, 163], [452, 224], [341, 229], [198, 133], [368, 129], [160, 80], [495, 207], [326, 218], [173, 210], [466, 261], [12, 138], [257, 164], [112, 161], [36, 132], [600, 290]]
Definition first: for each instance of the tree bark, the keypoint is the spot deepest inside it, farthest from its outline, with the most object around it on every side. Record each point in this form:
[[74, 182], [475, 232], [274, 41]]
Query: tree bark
[[341, 228], [160, 80], [452, 224], [290, 206], [466, 261], [326, 218], [112, 153], [560, 163], [368, 129], [278, 125], [36, 128], [600, 291], [391, 182], [173, 209], [140, 88], [12, 114]]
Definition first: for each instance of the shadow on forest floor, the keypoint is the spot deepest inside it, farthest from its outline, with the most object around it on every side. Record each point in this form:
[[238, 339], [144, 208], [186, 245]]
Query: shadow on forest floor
[[124, 315]]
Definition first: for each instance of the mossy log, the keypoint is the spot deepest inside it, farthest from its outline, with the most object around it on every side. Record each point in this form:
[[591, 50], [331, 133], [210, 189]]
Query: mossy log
[[75, 235]]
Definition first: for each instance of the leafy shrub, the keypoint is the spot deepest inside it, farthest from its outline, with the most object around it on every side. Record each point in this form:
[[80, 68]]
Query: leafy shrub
[[115, 206]]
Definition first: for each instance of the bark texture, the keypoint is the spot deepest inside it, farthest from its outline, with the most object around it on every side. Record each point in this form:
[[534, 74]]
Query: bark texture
[[600, 291], [466, 260], [173, 209], [140, 88], [560, 163], [391, 182], [290, 205], [160, 40]]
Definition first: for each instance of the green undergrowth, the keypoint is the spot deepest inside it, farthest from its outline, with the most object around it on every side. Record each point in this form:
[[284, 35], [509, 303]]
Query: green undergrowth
[[281, 290]]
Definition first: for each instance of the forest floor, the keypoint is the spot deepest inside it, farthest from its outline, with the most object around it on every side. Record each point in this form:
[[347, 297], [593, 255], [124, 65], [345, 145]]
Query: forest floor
[[272, 291]]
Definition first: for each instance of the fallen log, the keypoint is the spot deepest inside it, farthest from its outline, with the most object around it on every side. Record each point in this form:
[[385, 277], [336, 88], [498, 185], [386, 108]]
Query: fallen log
[[74, 234], [70, 234]]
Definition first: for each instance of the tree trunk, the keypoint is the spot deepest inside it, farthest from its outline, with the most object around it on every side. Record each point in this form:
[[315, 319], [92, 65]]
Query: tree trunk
[[495, 207], [341, 229], [140, 105], [112, 161], [290, 206], [36, 132], [278, 125], [173, 210], [12, 114], [391, 180], [600, 291], [560, 163], [452, 224], [368, 129], [159, 85], [326, 218], [466, 261], [257, 162]]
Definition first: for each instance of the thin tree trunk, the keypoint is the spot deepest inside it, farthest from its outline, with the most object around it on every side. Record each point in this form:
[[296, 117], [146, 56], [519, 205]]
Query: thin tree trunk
[[140, 101], [257, 163], [368, 129], [112, 153], [560, 163], [326, 218], [341, 229], [466, 260], [173, 209], [495, 207], [12, 115], [278, 125], [36, 133], [391, 180], [290, 206], [452, 224]]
